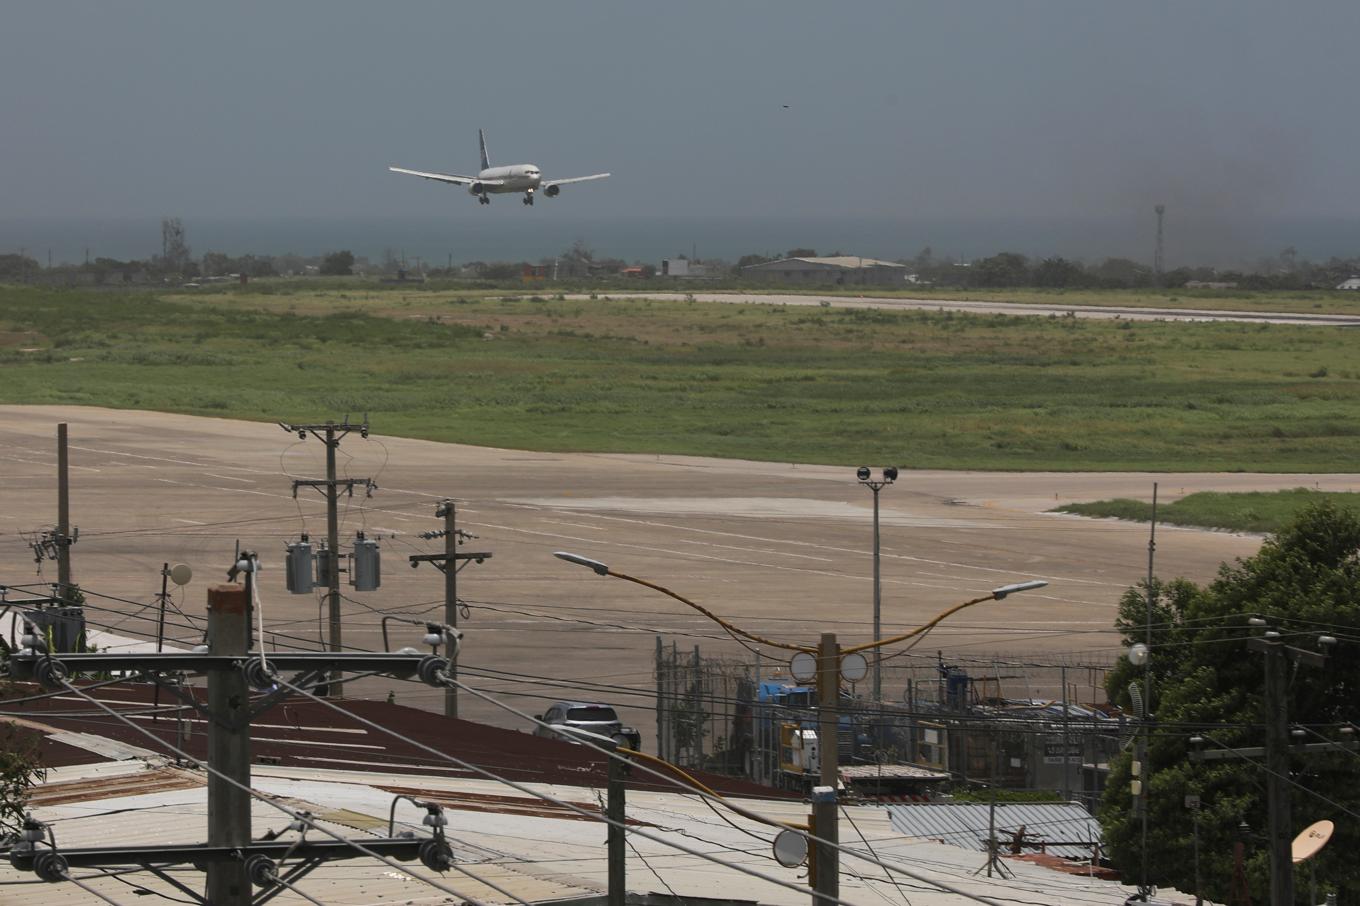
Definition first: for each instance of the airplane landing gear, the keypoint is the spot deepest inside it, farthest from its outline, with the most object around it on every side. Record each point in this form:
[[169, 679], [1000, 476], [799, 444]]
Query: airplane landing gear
[[482, 199], [529, 197]]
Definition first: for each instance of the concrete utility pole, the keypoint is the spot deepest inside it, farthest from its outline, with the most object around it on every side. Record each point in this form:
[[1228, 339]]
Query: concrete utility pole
[[331, 434], [228, 744], [447, 563]]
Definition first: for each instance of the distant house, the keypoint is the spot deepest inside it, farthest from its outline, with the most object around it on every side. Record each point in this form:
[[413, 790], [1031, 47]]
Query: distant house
[[838, 271], [1352, 283], [1209, 284]]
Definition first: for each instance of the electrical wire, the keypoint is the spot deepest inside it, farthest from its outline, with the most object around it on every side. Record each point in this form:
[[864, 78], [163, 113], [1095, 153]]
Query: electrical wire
[[592, 816], [818, 840], [256, 794]]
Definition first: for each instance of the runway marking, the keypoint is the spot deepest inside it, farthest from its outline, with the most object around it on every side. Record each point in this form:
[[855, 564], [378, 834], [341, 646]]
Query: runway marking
[[229, 477], [191, 521]]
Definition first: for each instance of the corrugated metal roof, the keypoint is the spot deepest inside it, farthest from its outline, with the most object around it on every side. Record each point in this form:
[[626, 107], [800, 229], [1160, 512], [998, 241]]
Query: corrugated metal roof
[[966, 824], [536, 857]]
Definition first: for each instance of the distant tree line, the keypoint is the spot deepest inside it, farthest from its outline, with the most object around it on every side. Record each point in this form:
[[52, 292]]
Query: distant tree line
[[1286, 271]]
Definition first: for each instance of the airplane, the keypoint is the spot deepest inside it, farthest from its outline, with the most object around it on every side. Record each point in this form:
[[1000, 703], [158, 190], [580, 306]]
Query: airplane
[[525, 178]]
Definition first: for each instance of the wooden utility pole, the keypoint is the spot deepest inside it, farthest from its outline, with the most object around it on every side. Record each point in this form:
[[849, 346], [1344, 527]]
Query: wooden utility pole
[[616, 812], [450, 512], [331, 434], [824, 805], [63, 536], [447, 563], [228, 745]]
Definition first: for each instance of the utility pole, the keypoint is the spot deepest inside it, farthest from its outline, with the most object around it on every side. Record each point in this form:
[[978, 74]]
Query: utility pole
[[1067, 742], [1275, 714], [617, 813], [331, 434], [824, 806], [63, 535], [228, 744], [234, 862], [447, 563]]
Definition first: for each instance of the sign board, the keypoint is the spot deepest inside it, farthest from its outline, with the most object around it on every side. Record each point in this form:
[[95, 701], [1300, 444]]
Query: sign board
[[1054, 749]]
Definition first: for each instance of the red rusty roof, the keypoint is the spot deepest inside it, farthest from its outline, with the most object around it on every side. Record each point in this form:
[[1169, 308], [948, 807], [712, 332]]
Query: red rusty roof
[[311, 735]]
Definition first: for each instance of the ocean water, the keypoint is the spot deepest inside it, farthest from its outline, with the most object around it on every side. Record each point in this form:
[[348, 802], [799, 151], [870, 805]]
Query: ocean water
[[518, 234]]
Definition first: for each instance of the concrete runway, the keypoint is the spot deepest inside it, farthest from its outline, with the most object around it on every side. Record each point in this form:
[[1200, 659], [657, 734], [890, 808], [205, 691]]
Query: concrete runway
[[1019, 309], [782, 549]]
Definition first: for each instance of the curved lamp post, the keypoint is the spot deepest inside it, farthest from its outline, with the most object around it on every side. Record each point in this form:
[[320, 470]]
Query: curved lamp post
[[829, 654]]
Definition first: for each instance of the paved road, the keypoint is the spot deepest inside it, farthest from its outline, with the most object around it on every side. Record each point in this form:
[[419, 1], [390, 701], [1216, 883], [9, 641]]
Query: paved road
[[1012, 308], [784, 549]]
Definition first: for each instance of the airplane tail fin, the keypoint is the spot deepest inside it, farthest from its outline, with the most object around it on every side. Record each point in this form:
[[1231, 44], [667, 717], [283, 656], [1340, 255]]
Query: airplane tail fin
[[481, 140]]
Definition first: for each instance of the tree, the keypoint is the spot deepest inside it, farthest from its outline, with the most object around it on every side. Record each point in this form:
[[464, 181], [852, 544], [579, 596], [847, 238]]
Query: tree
[[175, 252], [338, 264], [1005, 269], [1205, 682], [801, 253], [17, 267], [19, 766], [1058, 272]]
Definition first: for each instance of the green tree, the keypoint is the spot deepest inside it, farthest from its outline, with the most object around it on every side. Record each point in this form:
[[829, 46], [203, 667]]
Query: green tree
[[801, 253], [1005, 269], [1058, 272], [338, 264], [1205, 682]]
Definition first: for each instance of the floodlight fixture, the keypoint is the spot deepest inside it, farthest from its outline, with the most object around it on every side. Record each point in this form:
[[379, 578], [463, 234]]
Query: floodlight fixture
[[596, 565], [890, 474], [1003, 591], [862, 473], [1138, 654]]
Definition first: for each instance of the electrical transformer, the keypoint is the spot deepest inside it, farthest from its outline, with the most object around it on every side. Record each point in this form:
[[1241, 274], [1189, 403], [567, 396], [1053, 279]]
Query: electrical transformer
[[367, 572], [300, 567]]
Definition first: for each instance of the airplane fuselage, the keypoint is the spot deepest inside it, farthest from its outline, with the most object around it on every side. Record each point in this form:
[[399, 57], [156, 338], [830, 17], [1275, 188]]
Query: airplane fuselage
[[514, 178]]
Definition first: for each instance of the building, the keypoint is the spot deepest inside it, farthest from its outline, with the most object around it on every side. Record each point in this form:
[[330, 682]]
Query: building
[[1353, 283], [684, 267], [839, 271]]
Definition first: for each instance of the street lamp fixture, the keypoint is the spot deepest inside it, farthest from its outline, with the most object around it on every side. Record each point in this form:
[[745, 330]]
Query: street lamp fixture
[[829, 659]]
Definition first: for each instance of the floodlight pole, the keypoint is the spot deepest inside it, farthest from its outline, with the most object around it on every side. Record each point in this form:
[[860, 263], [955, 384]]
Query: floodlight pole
[[876, 485]]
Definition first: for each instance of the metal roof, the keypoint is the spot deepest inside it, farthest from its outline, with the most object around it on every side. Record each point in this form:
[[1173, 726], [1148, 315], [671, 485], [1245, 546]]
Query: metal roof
[[965, 824], [839, 261]]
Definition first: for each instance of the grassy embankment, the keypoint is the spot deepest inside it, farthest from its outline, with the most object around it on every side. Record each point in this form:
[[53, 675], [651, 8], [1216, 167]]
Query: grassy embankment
[[921, 389], [1253, 511]]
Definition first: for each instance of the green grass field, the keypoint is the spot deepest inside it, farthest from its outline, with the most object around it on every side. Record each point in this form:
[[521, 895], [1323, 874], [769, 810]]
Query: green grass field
[[1254, 511], [921, 389]]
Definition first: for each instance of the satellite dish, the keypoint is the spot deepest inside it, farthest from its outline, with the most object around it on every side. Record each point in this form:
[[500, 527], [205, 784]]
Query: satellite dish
[[803, 666], [180, 574], [790, 848], [1311, 839], [854, 667]]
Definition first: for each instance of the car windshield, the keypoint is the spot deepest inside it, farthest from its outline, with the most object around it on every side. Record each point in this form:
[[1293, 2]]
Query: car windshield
[[594, 713]]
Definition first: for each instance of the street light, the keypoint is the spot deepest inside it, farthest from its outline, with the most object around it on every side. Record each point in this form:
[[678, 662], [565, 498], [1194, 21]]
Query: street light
[[829, 656], [876, 485]]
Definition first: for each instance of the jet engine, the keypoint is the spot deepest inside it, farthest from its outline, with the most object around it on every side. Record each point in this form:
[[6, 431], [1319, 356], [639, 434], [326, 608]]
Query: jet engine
[[477, 189], [552, 191]]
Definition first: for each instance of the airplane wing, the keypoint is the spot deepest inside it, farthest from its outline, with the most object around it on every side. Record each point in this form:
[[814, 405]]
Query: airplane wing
[[449, 177], [561, 182]]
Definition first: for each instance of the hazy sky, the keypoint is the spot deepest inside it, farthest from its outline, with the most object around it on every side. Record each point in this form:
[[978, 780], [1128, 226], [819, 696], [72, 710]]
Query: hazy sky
[[1224, 111]]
